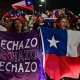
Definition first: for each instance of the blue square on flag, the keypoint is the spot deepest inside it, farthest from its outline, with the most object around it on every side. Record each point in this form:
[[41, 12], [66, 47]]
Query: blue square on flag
[[10, 12], [28, 2], [55, 41], [56, 13], [18, 14], [49, 20]]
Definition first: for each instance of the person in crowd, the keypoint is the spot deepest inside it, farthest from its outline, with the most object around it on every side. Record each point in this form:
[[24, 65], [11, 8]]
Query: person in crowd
[[64, 22], [68, 25], [30, 23], [17, 26], [26, 29], [76, 24], [61, 23], [5, 23], [41, 22], [71, 16]]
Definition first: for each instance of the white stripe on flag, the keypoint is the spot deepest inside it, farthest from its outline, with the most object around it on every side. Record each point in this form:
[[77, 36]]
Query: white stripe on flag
[[73, 42], [21, 3], [43, 49]]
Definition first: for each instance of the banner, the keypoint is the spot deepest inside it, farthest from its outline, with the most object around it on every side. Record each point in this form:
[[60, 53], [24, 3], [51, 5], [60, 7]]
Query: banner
[[21, 56]]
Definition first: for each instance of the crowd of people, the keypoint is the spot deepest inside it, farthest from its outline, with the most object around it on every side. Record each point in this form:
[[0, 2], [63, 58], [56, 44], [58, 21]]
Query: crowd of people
[[25, 23]]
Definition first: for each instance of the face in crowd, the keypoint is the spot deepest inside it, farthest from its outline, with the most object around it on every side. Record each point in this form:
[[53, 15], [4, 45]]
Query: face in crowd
[[18, 25], [67, 24], [40, 20], [62, 23]]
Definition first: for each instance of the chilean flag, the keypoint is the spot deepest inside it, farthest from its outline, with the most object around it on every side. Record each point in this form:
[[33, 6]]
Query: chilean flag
[[49, 20], [9, 14], [61, 50], [25, 4]]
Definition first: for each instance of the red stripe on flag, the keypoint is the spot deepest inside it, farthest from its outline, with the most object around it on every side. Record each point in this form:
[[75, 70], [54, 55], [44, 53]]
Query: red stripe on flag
[[58, 67], [25, 7]]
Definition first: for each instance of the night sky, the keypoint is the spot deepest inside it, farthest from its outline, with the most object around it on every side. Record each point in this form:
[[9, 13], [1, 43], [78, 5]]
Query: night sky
[[56, 4], [72, 5]]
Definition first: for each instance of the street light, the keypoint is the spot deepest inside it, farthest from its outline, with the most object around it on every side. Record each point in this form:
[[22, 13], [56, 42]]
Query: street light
[[42, 0], [45, 3], [40, 7]]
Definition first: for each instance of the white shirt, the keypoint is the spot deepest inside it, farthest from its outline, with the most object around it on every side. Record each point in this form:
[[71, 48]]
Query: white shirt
[[2, 28]]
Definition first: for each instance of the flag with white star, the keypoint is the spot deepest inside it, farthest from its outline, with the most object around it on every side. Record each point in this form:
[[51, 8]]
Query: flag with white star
[[24, 4], [54, 42], [61, 50], [29, 2]]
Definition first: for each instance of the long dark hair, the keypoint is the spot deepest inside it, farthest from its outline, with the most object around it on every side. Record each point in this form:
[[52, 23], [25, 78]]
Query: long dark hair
[[12, 27]]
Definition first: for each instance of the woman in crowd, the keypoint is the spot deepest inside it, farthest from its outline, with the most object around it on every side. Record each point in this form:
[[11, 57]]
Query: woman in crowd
[[61, 23], [68, 25], [76, 24], [17, 26]]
